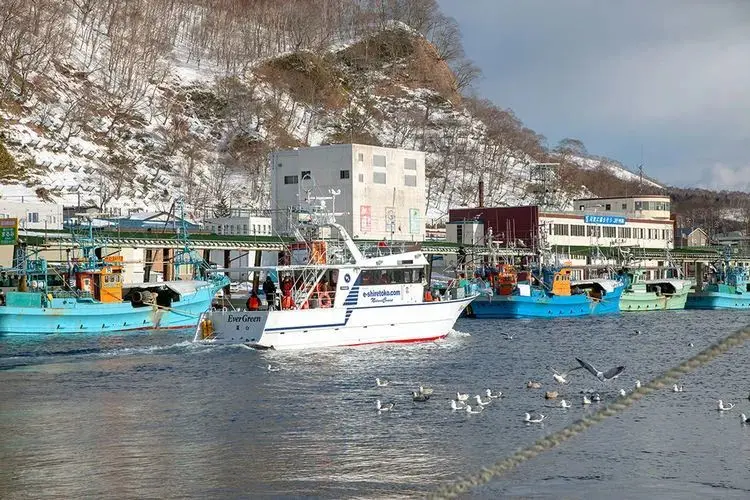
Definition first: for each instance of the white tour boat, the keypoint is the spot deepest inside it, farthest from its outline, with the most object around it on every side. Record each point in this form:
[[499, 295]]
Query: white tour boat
[[331, 294]]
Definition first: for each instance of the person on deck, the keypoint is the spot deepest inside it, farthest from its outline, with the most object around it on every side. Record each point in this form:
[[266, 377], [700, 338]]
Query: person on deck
[[269, 288], [253, 303]]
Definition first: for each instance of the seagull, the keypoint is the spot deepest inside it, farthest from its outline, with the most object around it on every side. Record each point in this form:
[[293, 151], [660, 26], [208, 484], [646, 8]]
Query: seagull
[[560, 378], [744, 419], [690, 344], [507, 336], [596, 398], [675, 388], [490, 395], [421, 398], [533, 385], [637, 332], [462, 397], [479, 401], [381, 383], [273, 368], [565, 404], [380, 407], [425, 390], [725, 408], [473, 412], [623, 393], [637, 384], [586, 400], [527, 418], [602, 376], [457, 406]]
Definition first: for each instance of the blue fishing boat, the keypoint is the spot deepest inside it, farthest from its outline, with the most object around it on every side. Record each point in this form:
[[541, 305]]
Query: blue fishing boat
[[727, 287], [90, 297], [554, 296]]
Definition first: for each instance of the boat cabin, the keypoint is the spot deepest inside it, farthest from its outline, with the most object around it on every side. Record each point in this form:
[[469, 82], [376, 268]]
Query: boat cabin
[[103, 284]]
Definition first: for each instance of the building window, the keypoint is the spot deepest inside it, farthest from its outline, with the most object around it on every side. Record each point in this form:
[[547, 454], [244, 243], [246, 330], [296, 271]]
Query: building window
[[305, 174], [378, 177], [624, 206], [577, 230], [595, 231], [361, 177], [560, 229], [244, 228], [343, 174], [32, 217], [410, 180], [360, 157], [610, 232], [378, 161], [291, 179], [254, 229], [410, 164], [608, 206]]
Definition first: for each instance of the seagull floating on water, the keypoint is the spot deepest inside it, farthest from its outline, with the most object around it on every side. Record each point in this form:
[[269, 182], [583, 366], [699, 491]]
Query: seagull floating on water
[[496, 395], [533, 385], [473, 412], [637, 384], [479, 401], [623, 393], [419, 397], [744, 419], [690, 344], [272, 368], [596, 397], [637, 332], [457, 406], [675, 388], [507, 336], [586, 400], [462, 397], [537, 420], [602, 376], [721, 406], [383, 407], [565, 404], [425, 390], [381, 383]]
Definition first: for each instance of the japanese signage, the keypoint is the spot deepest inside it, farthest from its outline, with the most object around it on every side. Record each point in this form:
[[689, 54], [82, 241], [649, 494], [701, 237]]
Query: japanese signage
[[414, 221], [604, 219], [8, 231], [390, 219], [365, 218]]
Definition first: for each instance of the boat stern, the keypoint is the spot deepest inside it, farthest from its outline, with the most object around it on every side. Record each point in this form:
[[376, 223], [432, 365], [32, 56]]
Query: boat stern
[[231, 327]]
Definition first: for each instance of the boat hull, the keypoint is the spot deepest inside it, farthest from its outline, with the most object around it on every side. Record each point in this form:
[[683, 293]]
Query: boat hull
[[637, 302], [718, 300], [543, 306], [321, 328], [87, 317]]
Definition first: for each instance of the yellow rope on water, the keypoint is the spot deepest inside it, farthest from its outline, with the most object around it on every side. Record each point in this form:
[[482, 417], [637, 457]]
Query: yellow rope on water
[[486, 474]]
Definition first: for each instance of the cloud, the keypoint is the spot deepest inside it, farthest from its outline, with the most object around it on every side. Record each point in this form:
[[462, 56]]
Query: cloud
[[731, 178], [671, 77]]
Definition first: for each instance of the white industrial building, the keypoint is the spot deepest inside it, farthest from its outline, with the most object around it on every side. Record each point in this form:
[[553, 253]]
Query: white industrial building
[[648, 206], [381, 191], [32, 214], [239, 223]]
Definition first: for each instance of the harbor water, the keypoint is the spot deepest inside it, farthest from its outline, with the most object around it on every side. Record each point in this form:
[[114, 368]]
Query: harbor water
[[153, 416]]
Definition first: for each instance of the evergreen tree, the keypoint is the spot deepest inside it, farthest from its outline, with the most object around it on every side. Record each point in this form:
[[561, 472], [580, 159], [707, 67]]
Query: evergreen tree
[[221, 209]]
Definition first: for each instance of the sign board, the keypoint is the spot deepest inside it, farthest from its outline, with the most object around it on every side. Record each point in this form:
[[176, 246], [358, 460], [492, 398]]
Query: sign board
[[390, 219], [414, 221], [365, 218], [8, 231], [604, 219]]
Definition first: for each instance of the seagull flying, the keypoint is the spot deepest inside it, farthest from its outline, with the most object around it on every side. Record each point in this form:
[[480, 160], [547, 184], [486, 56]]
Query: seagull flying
[[507, 336], [381, 383], [383, 407], [721, 406], [561, 378], [537, 420], [603, 376]]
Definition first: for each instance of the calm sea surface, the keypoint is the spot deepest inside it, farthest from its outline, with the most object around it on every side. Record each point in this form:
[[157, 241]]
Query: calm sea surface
[[152, 416]]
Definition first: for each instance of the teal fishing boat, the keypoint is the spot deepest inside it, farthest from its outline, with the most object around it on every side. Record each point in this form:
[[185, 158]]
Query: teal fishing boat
[[726, 287], [652, 295], [90, 296]]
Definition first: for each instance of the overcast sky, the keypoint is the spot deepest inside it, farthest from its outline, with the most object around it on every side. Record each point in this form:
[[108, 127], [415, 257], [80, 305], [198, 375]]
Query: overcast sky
[[670, 78]]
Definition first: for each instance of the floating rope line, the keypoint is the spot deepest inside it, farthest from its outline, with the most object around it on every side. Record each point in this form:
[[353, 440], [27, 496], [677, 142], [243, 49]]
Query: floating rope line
[[486, 474]]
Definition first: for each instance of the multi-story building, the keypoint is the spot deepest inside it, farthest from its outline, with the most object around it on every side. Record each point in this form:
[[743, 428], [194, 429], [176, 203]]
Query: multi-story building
[[380, 191], [642, 207], [240, 223], [33, 214]]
